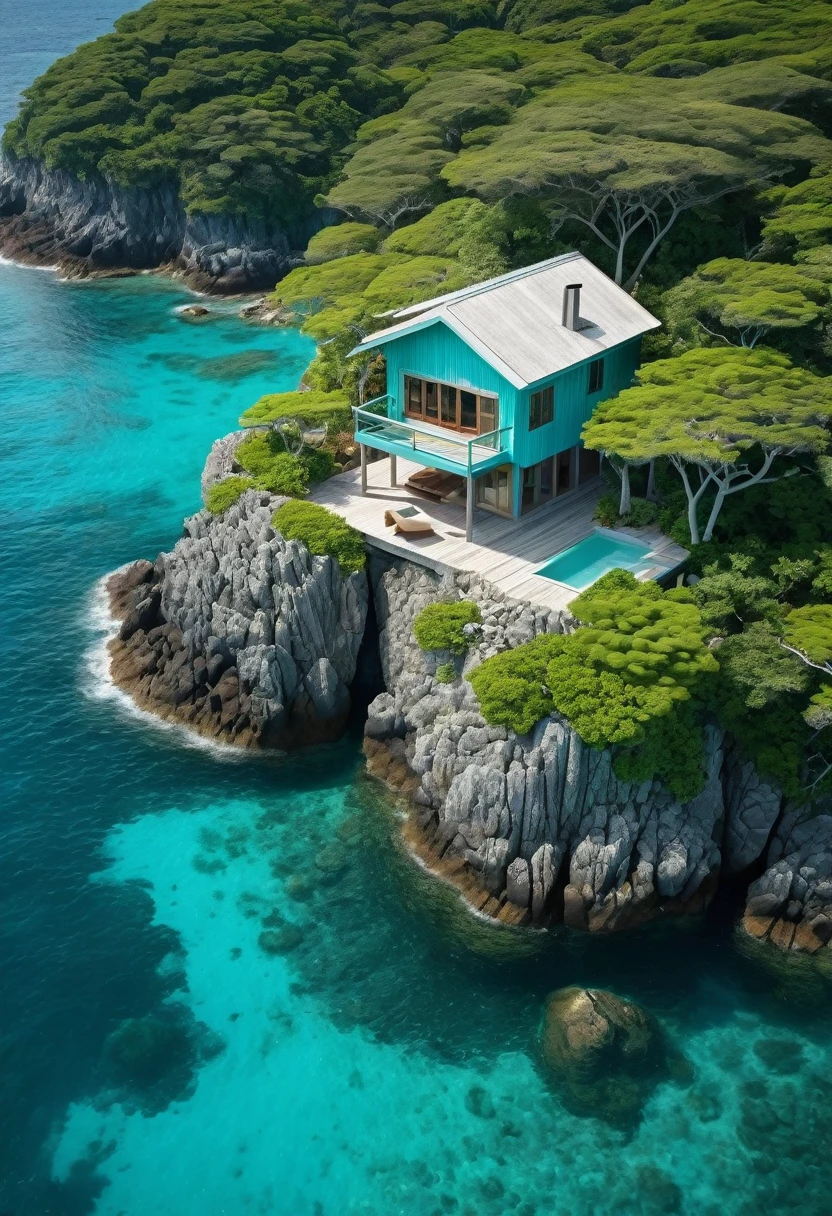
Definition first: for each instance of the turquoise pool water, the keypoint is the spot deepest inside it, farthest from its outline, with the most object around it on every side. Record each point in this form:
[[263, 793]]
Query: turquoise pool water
[[593, 556]]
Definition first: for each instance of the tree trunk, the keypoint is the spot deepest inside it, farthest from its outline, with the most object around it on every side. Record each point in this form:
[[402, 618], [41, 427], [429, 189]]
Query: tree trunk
[[624, 505], [715, 510], [651, 489]]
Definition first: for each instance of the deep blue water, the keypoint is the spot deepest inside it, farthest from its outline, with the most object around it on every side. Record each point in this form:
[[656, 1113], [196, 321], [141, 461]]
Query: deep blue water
[[157, 1060]]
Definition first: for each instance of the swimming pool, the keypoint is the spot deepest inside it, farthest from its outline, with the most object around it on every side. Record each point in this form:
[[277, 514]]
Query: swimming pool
[[593, 556]]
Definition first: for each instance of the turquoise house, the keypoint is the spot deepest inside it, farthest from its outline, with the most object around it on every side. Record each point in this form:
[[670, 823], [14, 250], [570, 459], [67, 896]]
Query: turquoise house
[[488, 388]]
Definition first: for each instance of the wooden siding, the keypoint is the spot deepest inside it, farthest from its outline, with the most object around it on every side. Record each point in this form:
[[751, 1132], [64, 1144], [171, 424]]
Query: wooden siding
[[573, 406], [436, 353]]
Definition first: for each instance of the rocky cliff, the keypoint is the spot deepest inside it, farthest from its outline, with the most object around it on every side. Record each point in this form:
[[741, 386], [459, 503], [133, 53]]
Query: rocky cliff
[[538, 827], [240, 634], [51, 218]]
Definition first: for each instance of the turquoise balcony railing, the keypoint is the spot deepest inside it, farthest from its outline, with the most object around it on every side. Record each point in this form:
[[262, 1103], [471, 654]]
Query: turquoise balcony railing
[[433, 446]]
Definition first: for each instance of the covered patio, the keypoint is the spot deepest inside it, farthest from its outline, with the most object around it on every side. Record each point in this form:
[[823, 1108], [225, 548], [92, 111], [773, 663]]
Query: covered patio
[[507, 552]]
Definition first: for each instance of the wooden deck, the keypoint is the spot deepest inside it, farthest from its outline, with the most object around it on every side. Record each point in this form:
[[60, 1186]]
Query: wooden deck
[[506, 552]]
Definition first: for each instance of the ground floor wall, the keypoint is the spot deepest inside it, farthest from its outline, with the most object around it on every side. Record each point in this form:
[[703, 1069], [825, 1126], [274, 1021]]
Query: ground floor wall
[[514, 490]]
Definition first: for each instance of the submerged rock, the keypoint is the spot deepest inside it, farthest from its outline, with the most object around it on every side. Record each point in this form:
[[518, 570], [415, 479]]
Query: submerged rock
[[606, 1054], [240, 634]]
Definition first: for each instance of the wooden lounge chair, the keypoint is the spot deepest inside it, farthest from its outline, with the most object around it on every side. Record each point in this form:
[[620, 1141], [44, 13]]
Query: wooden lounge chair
[[409, 521]]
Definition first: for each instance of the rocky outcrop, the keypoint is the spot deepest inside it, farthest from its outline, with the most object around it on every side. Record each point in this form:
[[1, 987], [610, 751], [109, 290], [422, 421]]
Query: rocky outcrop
[[543, 827], [790, 906], [240, 634], [51, 218], [606, 1054], [538, 827], [220, 462]]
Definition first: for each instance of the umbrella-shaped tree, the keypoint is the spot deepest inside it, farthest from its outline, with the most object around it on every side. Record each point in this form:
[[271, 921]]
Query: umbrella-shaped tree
[[727, 419]]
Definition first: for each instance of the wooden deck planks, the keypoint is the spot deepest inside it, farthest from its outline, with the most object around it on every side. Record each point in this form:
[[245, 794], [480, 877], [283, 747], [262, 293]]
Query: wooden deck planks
[[506, 552]]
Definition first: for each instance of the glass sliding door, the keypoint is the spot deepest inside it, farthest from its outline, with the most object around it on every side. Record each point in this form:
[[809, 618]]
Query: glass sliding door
[[413, 397], [493, 490]]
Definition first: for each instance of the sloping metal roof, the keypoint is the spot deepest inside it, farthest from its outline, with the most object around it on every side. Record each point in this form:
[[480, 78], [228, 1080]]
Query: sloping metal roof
[[514, 322]]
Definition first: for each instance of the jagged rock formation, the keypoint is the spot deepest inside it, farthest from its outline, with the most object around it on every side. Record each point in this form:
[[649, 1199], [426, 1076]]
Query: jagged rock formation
[[51, 218], [220, 462], [240, 634], [539, 827], [791, 904]]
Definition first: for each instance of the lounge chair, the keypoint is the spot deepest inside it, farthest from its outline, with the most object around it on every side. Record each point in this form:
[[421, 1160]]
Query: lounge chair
[[409, 521]]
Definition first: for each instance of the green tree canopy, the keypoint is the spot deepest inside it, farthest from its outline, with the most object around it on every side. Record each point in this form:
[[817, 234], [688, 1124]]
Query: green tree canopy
[[808, 632], [626, 157], [715, 413], [803, 216], [745, 300], [626, 679]]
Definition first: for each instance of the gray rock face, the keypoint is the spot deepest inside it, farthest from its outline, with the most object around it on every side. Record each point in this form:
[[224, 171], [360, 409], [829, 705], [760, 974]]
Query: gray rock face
[[542, 819], [51, 217], [220, 462], [241, 633], [791, 904]]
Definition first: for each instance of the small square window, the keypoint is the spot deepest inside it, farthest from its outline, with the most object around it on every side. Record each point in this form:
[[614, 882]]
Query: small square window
[[596, 376], [541, 407]]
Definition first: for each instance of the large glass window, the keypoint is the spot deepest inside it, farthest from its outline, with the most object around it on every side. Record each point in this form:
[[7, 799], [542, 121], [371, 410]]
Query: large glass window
[[459, 408], [541, 407], [448, 415], [596, 376], [467, 410], [413, 396]]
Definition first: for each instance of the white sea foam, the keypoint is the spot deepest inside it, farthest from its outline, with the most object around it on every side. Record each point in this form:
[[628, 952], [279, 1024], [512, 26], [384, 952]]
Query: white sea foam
[[4, 261], [97, 681]]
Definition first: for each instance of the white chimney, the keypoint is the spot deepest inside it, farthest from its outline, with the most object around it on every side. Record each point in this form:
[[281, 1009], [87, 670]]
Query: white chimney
[[571, 305]]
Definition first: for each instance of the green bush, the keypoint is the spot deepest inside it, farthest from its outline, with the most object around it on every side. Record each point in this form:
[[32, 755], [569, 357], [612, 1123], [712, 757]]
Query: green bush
[[223, 494], [630, 678], [286, 475], [642, 513], [446, 673], [323, 533], [511, 686], [276, 470], [340, 241], [440, 626], [606, 510]]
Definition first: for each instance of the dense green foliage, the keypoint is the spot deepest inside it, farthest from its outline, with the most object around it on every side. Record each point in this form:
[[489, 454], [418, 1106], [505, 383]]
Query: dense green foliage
[[446, 673], [442, 626], [723, 417], [632, 678], [264, 456], [314, 408], [223, 494], [323, 533], [740, 302], [243, 104]]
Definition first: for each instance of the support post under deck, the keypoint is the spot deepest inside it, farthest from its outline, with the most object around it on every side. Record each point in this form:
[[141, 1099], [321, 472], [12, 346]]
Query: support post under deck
[[363, 468], [392, 470], [469, 509]]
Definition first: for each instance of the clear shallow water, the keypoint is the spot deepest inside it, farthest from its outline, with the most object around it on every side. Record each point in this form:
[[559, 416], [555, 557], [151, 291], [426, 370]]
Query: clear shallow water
[[385, 1063], [593, 556]]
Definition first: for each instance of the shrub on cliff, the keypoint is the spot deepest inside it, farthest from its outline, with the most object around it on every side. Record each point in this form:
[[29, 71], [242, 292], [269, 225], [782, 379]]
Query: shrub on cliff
[[223, 494], [629, 678], [442, 626], [511, 686], [314, 408], [278, 471], [323, 532]]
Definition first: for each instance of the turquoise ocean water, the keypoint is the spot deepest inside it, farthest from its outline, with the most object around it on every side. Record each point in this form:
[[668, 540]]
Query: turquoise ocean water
[[157, 1060]]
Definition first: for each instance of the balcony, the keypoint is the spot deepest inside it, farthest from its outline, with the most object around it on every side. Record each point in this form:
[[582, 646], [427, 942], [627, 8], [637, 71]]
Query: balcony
[[433, 446]]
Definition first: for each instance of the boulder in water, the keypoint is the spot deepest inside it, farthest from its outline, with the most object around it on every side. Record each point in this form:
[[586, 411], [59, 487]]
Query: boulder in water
[[606, 1054]]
